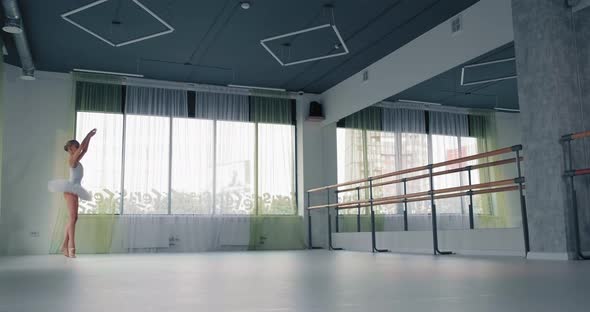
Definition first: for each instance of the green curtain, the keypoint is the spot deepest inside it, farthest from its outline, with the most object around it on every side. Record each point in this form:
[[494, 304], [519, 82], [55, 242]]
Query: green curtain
[[92, 93], [370, 118], [483, 128], [271, 110], [99, 96], [274, 232]]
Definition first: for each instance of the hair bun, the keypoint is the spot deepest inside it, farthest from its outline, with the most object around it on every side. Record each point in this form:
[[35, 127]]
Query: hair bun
[[66, 147]]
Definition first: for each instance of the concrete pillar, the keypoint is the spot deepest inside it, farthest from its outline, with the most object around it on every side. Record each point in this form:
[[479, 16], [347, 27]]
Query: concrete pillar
[[550, 102]]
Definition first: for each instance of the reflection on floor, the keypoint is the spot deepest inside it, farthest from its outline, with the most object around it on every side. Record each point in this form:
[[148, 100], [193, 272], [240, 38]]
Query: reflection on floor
[[290, 281]]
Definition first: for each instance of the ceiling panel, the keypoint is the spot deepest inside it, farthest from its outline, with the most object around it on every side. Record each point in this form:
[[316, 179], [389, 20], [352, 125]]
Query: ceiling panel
[[446, 88], [213, 34]]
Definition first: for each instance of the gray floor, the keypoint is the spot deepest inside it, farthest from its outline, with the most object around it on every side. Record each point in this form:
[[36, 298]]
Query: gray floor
[[290, 281]]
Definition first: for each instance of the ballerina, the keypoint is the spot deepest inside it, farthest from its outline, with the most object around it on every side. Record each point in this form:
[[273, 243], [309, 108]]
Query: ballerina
[[73, 190]]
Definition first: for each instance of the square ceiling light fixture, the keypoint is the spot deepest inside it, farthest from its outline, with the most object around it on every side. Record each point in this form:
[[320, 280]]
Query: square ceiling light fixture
[[341, 45], [168, 29]]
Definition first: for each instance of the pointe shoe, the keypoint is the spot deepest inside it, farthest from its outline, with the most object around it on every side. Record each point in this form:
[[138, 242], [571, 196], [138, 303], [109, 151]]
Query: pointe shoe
[[64, 251], [71, 252]]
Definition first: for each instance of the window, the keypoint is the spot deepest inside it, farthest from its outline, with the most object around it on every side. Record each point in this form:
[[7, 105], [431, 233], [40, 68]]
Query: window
[[102, 177], [147, 164], [446, 147], [235, 166], [276, 179], [164, 164], [192, 166], [414, 153]]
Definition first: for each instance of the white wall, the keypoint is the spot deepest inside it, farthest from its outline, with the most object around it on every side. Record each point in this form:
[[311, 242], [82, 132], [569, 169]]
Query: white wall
[[487, 25], [37, 120]]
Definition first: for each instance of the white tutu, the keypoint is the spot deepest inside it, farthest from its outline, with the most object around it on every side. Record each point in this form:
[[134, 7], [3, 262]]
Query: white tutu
[[65, 186]]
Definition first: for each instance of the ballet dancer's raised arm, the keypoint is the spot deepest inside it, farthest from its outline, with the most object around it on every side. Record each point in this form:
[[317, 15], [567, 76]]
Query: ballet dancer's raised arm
[[81, 151]]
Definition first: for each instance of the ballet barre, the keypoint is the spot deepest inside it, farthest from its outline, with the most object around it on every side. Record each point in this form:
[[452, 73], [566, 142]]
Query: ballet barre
[[432, 194], [570, 173]]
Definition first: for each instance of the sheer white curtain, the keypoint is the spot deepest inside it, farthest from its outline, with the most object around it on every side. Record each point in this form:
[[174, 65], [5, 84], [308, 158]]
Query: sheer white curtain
[[147, 147], [193, 181], [411, 149], [192, 166], [276, 189], [447, 130], [102, 178], [235, 161]]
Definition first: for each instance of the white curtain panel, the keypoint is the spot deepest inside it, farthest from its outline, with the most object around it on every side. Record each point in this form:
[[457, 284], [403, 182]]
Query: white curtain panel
[[192, 166], [149, 112], [190, 183], [276, 172], [102, 177], [448, 130], [410, 149], [180, 233]]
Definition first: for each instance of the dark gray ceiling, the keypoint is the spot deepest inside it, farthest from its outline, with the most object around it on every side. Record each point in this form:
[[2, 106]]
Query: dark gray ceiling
[[446, 88], [217, 42]]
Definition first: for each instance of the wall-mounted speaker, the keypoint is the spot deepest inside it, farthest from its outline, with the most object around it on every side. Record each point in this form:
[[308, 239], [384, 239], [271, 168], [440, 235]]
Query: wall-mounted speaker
[[315, 111]]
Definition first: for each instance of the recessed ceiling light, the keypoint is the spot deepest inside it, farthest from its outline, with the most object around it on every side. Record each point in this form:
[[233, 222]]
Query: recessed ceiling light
[[245, 5]]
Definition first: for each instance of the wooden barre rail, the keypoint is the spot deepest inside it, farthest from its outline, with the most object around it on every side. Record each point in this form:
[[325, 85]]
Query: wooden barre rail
[[434, 174], [577, 172], [427, 198], [421, 168], [431, 195], [570, 172], [420, 194], [575, 136]]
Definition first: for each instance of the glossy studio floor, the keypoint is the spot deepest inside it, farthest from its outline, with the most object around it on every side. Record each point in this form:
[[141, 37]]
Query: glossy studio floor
[[290, 281]]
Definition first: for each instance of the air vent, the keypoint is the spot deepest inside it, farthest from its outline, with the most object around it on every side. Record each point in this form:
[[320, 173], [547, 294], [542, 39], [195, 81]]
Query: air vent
[[365, 76], [457, 25]]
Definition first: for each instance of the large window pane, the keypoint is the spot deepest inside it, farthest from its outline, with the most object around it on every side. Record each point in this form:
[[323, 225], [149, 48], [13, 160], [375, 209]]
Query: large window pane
[[381, 159], [414, 153], [445, 147], [102, 163], [192, 166], [276, 169], [482, 203], [351, 162], [234, 178], [147, 152]]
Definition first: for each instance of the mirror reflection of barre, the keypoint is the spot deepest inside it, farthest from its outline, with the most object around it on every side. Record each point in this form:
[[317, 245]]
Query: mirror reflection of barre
[[571, 172], [449, 167]]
